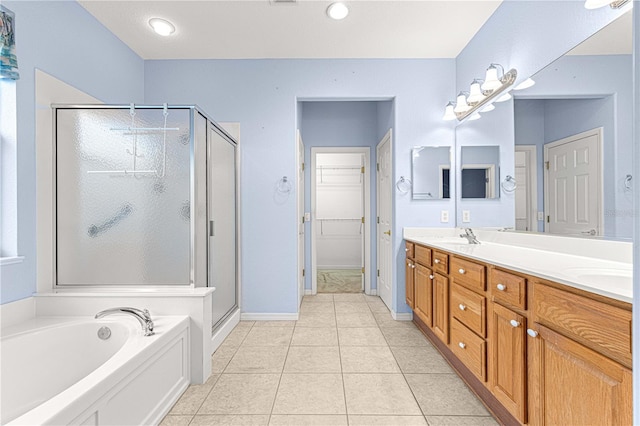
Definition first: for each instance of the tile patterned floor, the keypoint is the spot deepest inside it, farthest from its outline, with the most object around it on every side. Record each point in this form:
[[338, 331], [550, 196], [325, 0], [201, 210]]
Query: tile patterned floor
[[344, 362]]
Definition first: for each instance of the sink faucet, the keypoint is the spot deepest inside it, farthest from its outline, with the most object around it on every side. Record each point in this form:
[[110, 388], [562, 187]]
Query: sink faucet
[[470, 236], [142, 316]]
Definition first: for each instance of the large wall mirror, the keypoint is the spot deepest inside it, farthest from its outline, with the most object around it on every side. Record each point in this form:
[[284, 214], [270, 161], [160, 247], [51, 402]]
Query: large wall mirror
[[479, 172], [573, 140], [430, 172]]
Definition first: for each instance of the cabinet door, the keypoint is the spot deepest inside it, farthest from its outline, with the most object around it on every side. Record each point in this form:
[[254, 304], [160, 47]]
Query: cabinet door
[[409, 287], [574, 385], [507, 359], [441, 307], [423, 294]]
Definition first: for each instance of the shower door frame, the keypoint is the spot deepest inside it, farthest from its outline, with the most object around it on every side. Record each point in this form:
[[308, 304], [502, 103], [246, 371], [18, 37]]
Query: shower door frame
[[197, 277]]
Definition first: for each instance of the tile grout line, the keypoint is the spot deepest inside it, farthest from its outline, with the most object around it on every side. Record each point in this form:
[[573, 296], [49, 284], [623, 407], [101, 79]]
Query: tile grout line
[[275, 396]]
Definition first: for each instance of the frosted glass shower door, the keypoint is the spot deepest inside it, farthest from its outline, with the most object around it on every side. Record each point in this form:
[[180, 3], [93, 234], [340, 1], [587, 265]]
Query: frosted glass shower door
[[222, 228], [123, 196]]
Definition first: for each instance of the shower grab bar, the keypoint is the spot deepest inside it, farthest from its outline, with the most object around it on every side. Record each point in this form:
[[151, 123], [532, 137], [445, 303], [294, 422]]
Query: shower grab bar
[[95, 230]]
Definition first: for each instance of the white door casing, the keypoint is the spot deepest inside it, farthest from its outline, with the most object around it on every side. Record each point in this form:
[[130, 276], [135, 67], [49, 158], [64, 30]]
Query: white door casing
[[384, 228], [573, 184], [300, 216], [526, 198]]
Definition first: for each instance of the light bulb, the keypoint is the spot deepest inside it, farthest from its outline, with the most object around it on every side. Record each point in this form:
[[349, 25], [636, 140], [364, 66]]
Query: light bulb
[[491, 80], [461, 104], [475, 116], [475, 93], [595, 4], [504, 97], [448, 112], [162, 26], [525, 84], [337, 11]]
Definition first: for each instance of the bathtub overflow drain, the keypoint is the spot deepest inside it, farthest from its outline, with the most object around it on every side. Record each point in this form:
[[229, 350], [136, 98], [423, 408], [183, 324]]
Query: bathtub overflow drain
[[104, 333]]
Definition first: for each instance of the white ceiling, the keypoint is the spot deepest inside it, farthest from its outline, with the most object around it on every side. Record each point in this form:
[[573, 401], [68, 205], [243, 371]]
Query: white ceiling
[[224, 29], [614, 39]]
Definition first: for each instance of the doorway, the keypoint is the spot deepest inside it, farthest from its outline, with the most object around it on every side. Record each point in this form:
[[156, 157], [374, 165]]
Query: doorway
[[340, 213], [526, 197]]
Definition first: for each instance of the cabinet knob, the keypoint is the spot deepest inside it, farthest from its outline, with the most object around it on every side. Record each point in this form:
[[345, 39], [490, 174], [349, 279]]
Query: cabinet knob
[[532, 333], [436, 260], [462, 307], [514, 323], [462, 345], [413, 266], [406, 250], [462, 271], [501, 287], [431, 276]]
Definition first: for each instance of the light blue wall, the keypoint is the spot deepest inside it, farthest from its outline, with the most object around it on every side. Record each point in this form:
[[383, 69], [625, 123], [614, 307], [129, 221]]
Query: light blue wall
[[574, 78], [527, 36], [342, 124], [63, 40], [262, 95]]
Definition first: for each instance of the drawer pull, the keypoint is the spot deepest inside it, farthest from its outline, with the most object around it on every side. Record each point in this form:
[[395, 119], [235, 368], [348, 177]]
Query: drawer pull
[[462, 345], [532, 333], [436, 260], [514, 323], [462, 307], [431, 277], [462, 271], [501, 287]]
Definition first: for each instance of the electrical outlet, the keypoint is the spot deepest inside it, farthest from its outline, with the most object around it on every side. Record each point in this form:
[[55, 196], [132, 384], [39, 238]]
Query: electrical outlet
[[466, 216], [540, 215], [444, 216]]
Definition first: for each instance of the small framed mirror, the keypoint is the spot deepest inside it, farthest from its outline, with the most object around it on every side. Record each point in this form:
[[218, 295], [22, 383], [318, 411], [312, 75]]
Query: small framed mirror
[[479, 172], [430, 172]]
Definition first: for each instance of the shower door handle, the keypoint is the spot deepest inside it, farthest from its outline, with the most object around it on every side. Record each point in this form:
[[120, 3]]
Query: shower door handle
[[212, 228]]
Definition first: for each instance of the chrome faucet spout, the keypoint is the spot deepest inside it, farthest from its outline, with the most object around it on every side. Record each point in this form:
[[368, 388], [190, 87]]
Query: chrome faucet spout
[[470, 236], [142, 316]]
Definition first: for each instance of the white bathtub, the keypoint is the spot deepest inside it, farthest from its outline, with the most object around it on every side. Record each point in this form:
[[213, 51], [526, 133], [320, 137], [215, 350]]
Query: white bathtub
[[57, 371]]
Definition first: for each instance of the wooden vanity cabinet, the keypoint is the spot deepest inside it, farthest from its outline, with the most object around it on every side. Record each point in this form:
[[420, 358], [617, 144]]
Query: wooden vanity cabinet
[[441, 307], [424, 294], [409, 282]]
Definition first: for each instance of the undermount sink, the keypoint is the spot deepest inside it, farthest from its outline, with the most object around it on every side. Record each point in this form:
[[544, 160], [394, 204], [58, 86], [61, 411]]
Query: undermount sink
[[613, 277]]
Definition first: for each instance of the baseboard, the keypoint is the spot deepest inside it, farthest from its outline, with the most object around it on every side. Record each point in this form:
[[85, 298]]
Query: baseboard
[[248, 316], [224, 330], [308, 292], [402, 316], [373, 292]]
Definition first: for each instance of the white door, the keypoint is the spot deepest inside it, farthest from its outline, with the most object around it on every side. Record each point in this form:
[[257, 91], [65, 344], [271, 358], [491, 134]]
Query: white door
[[384, 175], [573, 184], [301, 221], [525, 193]]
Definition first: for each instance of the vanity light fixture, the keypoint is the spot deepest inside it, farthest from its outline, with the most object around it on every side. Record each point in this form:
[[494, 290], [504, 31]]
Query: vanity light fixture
[[337, 11], [481, 96], [162, 26], [449, 114], [595, 4], [525, 84]]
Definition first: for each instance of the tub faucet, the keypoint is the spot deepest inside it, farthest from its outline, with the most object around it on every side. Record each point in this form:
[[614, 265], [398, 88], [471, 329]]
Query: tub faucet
[[470, 236], [141, 315]]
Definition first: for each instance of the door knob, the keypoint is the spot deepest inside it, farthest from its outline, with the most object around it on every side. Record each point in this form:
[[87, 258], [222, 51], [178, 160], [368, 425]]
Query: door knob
[[387, 232], [590, 232]]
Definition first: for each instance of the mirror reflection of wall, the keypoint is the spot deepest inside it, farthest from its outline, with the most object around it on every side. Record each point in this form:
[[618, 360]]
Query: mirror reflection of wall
[[587, 90], [480, 167], [430, 172]]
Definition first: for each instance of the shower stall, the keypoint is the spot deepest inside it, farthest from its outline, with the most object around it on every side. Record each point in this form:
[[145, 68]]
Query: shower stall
[[145, 198]]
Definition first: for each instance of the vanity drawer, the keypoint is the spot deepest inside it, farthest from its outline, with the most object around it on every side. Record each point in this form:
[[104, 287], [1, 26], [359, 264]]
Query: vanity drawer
[[468, 274], [508, 288], [598, 325], [469, 308], [409, 249], [422, 255], [470, 349], [440, 262]]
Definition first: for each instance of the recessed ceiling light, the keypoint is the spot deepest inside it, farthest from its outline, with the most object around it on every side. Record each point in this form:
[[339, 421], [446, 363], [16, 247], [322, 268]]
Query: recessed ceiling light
[[337, 11], [162, 26]]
